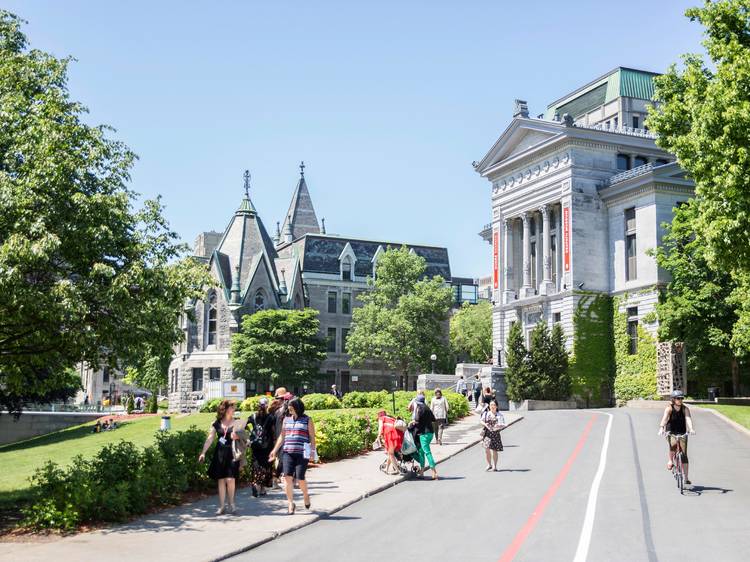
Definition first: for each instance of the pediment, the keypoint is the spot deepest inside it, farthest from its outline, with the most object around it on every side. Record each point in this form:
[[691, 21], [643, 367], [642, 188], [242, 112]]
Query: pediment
[[520, 136]]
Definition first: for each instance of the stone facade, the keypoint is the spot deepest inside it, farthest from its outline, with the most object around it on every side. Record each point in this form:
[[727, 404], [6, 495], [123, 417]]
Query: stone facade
[[300, 266], [578, 201]]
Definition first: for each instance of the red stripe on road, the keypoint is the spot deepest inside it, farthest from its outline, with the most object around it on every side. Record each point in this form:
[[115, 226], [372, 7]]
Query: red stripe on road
[[525, 531]]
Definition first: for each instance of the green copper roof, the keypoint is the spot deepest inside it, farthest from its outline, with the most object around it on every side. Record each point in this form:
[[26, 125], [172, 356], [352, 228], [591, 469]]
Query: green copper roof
[[620, 82], [247, 206]]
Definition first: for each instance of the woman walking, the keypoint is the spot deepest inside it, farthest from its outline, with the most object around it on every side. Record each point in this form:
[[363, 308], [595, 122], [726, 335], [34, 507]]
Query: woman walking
[[262, 438], [493, 422], [439, 407], [392, 439], [297, 443], [223, 468], [487, 397], [423, 420]]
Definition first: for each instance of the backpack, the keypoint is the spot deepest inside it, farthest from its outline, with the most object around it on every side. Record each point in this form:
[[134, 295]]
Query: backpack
[[258, 436]]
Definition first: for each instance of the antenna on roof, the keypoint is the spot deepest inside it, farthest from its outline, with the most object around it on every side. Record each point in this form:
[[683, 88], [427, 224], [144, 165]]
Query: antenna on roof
[[247, 177]]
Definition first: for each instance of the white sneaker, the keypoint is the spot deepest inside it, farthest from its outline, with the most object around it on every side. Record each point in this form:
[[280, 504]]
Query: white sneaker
[[221, 511]]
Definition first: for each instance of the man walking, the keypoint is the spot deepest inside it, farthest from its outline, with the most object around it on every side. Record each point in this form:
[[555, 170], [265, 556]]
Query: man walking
[[477, 390]]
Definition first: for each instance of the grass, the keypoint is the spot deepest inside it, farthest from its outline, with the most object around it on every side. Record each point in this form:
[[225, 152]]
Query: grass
[[740, 414]]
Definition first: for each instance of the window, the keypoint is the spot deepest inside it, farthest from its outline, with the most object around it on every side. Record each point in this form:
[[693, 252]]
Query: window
[[214, 373], [212, 318], [105, 374], [344, 336], [633, 330], [259, 303], [609, 125], [556, 317], [631, 259], [346, 269], [639, 161], [623, 162], [331, 340], [332, 302], [636, 122], [197, 379], [617, 121], [661, 161], [346, 303]]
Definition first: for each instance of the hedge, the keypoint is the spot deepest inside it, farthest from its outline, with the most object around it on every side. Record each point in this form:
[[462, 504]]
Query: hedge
[[121, 481], [321, 402]]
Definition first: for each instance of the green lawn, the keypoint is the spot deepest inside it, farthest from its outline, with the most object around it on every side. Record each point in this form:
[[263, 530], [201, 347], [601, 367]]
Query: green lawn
[[19, 460], [740, 414]]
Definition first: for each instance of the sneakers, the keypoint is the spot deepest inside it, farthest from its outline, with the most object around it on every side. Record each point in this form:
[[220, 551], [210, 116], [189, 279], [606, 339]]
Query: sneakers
[[221, 511], [488, 469]]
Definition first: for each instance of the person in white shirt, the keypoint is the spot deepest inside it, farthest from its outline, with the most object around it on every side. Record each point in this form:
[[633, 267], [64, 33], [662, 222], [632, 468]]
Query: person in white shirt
[[439, 407]]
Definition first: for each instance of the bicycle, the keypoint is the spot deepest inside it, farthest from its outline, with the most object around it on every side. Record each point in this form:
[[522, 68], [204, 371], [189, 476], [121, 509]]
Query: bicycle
[[677, 469]]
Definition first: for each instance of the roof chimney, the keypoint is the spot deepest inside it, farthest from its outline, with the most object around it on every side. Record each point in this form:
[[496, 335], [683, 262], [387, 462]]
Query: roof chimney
[[521, 109]]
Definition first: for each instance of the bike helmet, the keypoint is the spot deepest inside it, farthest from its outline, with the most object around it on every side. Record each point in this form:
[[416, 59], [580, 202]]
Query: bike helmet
[[678, 394]]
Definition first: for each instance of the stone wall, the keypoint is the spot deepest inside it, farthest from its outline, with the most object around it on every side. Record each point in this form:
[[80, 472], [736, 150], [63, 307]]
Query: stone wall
[[33, 424]]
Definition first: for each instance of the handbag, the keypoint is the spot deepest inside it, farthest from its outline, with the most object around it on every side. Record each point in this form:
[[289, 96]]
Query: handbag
[[408, 447]]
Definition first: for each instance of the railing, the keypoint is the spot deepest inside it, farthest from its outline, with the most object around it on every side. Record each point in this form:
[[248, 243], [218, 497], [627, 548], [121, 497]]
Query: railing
[[632, 173], [644, 133]]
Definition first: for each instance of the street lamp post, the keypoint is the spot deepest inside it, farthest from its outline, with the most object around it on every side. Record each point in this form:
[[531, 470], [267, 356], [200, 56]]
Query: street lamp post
[[433, 358]]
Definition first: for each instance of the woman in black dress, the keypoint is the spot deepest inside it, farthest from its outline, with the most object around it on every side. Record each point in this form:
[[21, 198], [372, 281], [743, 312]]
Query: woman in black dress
[[223, 468], [262, 426]]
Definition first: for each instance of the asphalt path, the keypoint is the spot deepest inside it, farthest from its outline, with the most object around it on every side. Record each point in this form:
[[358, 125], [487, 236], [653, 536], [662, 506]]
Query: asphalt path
[[535, 507]]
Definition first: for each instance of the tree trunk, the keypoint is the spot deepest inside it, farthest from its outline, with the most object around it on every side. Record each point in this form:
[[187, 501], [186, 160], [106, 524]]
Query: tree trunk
[[735, 377]]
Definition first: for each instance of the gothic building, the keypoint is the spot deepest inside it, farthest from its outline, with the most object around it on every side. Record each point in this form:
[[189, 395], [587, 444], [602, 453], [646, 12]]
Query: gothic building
[[579, 197], [300, 266]]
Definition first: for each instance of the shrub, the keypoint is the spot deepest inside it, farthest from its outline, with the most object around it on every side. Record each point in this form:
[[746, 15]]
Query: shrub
[[251, 404], [321, 402], [152, 405], [211, 406], [365, 399], [341, 433], [130, 404], [122, 480]]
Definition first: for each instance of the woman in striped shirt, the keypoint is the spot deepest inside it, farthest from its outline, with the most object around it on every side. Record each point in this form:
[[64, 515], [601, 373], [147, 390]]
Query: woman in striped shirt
[[297, 443]]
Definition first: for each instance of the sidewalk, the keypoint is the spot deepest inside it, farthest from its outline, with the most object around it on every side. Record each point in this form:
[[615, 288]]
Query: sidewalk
[[192, 532]]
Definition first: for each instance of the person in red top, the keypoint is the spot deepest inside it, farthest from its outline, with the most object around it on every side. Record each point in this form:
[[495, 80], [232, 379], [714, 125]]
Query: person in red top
[[392, 438]]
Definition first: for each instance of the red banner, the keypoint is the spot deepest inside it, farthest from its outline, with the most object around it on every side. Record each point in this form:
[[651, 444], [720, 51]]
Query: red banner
[[495, 258], [566, 238]]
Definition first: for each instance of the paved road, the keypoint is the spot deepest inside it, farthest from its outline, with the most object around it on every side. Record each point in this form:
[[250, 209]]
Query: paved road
[[534, 509]]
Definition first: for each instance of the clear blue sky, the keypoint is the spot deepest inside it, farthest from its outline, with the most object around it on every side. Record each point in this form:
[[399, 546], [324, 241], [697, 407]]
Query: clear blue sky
[[386, 102]]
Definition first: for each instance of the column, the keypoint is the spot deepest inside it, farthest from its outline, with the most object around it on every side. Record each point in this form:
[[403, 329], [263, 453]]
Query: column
[[509, 292], [526, 289], [546, 287]]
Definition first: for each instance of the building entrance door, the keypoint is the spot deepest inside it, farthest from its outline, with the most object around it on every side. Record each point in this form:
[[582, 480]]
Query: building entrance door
[[346, 380]]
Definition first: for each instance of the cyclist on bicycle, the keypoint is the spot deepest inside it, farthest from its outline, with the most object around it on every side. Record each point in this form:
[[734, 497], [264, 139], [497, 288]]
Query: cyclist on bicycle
[[675, 422]]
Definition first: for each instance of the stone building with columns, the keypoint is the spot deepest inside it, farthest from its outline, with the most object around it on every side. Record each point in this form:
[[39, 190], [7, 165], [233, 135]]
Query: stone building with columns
[[300, 266], [579, 196]]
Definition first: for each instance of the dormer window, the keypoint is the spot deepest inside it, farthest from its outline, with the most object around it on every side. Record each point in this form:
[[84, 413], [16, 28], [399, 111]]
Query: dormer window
[[346, 269]]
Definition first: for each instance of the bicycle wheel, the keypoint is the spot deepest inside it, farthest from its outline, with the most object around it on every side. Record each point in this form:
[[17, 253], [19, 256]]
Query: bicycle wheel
[[679, 475]]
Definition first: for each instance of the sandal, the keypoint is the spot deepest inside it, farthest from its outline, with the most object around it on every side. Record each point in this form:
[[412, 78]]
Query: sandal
[[290, 509]]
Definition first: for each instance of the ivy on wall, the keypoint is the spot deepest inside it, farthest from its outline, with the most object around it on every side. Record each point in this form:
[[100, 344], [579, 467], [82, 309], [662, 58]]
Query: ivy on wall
[[635, 375], [592, 365]]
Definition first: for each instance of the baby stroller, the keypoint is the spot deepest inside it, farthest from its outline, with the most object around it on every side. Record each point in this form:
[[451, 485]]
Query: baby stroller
[[406, 458]]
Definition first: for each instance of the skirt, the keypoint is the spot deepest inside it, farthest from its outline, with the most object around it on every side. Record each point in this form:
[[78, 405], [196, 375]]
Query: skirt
[[223, 464], [492, 441]]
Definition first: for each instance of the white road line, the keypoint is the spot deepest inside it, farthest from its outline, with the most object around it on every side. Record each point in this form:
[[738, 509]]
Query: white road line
[[584, 541]]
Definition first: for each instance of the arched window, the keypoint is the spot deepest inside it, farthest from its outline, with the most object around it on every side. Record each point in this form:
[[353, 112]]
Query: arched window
[[259, 303], [346, 269], [212, 315]]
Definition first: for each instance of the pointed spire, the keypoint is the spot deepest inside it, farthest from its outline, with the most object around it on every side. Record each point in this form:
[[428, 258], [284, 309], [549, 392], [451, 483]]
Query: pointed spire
[[301, 217], [277, 236], [323, 225], [288, 236], [247, 205]]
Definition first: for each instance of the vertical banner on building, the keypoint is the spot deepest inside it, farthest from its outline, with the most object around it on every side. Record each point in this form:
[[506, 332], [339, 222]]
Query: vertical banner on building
[[495, 258], [566, 239]]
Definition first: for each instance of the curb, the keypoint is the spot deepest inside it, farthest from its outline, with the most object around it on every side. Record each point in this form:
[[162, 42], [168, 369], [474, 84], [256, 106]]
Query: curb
[[734, 424], [334, 510]]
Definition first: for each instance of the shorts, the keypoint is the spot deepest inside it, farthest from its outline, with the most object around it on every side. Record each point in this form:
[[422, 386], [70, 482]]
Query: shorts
[[294, 464], [672, 441]]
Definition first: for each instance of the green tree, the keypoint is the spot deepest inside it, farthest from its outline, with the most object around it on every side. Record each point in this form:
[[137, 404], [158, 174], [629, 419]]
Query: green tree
[[697, 307], [83, 275], [517, 373], [279, 347], [558, 363], [471, 332], [151, 374], [703, 118], [403, 320]]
